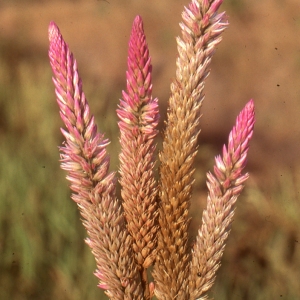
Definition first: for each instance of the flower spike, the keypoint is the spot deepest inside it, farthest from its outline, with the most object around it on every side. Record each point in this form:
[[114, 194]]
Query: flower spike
[[84, 157], [201, 29], [224, 187], [138, 113]]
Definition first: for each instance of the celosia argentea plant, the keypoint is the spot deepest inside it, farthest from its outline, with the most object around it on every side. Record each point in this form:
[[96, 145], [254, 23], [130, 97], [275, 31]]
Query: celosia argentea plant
[[149, 225]]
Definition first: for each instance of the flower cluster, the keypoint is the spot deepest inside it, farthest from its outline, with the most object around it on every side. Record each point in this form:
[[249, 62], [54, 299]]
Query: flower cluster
[[149, 225]]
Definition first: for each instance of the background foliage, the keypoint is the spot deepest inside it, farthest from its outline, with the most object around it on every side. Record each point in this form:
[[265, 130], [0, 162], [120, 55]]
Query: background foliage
[[42, 252]]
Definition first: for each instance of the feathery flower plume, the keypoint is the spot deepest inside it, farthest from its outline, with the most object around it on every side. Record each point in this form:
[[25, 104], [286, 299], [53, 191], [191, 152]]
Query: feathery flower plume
[[138, 113], [201, 29], [84, 157], [223, 189]]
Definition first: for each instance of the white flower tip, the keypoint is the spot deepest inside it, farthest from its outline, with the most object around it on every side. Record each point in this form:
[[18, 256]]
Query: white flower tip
[[53, 30], [250, 105]]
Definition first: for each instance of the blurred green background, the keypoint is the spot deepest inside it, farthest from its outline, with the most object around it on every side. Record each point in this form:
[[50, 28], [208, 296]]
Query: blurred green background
[[42, 249]]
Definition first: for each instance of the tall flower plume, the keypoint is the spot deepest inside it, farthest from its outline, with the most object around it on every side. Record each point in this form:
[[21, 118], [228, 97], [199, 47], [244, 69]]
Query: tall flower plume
[[84, 157], [138, 113], [223, 189], [201, 29]]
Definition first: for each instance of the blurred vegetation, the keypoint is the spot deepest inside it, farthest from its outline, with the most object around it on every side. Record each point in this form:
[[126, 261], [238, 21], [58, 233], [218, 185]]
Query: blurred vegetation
[[43, 254]]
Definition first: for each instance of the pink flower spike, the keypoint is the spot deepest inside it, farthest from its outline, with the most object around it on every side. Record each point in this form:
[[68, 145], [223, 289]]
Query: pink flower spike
[[234, 156], [85, 158], [223, 189], [138, 114]]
